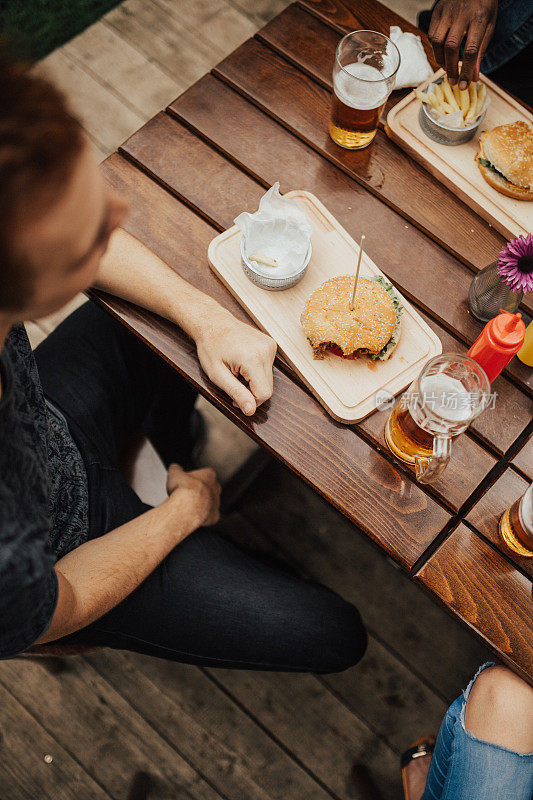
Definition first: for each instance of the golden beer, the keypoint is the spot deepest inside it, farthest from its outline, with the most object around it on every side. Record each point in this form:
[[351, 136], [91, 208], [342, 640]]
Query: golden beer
[[449, 393], [516, 529], [405, 438], [441, 406], [364, 72], [353, 127]]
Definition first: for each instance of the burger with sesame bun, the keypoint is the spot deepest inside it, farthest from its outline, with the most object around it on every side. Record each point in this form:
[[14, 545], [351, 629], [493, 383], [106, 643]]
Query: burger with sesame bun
[[372, 329], [505, 159]]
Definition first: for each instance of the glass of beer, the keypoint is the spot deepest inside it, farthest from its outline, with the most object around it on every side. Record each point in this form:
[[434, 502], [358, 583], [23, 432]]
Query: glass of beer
[[450, 392], [516, 525], [366, 63]]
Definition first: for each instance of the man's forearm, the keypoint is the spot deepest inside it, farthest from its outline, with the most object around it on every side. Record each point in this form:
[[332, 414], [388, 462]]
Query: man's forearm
[[131, 271], [99, 574], [228, 349]]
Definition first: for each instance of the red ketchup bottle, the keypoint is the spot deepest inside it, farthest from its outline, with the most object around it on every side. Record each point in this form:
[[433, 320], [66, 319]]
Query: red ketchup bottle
[[501, 338]]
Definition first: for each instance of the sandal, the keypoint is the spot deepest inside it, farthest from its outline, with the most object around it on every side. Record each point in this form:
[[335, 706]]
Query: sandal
[[419, 749]]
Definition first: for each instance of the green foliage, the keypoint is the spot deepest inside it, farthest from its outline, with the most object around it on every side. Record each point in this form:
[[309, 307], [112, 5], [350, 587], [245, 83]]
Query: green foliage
[[398, 310], [486, 163], [33, 28]]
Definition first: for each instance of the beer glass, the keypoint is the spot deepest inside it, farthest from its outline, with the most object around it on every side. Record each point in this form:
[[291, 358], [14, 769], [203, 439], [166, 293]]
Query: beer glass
[[366, 63], [516, 525], [450, 392]]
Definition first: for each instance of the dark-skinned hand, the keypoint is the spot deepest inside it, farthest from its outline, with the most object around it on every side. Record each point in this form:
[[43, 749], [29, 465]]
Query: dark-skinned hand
[[454, 21]]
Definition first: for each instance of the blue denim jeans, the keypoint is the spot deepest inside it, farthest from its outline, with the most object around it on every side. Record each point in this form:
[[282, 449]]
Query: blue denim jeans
[[466, 768]]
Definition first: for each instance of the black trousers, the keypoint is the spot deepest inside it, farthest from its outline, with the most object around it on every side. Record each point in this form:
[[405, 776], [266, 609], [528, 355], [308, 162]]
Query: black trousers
[[209, 602]]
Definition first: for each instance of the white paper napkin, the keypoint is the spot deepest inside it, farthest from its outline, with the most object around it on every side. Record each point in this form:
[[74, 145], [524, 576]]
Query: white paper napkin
[[414, 65]]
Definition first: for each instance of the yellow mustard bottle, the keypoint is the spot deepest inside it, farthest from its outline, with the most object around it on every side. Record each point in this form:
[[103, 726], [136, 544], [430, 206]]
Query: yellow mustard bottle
[[525, 354]]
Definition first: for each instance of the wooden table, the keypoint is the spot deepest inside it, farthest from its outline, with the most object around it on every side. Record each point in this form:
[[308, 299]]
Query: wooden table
[[262, 115]]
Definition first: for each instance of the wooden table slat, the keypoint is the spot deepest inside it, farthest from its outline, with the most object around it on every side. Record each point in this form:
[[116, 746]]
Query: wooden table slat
[[524, 458], [309, 45], [349, 15], [261, 116], [485, 514], [172, 153], [302, 106], [356, 479], [210, 108], [487, 593]]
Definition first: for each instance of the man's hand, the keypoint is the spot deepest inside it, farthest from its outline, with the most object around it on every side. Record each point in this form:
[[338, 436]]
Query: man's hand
[[452, 20], [96, 576], [201, 491], [229, 349]]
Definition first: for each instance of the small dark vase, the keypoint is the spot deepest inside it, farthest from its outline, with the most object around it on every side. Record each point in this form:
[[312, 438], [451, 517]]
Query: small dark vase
[[488, 294]]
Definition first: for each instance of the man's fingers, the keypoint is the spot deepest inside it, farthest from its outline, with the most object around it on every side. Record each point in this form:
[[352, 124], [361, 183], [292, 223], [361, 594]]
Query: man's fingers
[[260, 380], [451, 51], [175, 470], [438, 30], [208, 476], [174, 475], [262, 386], [241, 396], [470, 55], [484, 44]]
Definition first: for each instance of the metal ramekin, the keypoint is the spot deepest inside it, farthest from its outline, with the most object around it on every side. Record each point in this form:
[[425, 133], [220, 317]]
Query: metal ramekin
[[442, 133], [270, 282]]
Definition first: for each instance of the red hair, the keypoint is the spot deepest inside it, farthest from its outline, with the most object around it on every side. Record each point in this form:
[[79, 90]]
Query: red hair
[[40, 141]]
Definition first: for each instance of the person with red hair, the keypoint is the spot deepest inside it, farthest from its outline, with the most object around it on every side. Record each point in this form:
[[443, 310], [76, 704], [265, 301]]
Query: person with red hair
[[83, 561]]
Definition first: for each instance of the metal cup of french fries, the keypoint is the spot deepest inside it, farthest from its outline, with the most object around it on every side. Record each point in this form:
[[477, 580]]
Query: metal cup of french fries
[[449, 115]]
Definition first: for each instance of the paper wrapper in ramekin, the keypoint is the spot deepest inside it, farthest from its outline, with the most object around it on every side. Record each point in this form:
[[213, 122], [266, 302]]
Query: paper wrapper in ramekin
[[279, 230]]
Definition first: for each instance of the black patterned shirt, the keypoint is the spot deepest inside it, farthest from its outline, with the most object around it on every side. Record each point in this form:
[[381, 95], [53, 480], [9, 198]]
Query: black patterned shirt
[[43, 498]]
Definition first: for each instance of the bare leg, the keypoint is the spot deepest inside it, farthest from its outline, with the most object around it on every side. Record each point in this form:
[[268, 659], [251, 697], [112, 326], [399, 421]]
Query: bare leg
[[500, 710]]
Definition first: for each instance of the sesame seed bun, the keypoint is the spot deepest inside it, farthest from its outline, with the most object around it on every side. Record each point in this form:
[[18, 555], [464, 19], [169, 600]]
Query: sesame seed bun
[[328, 320], [509, 149]]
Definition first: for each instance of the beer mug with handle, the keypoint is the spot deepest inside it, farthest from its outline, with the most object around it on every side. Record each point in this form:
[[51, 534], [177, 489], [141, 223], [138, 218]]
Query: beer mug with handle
[[450, 392]]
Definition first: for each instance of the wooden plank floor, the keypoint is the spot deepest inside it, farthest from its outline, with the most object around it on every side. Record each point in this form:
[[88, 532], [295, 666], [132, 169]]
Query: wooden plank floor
[[93, 726], [222, 733]]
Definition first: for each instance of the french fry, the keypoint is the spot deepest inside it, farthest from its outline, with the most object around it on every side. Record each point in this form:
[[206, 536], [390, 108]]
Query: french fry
[[446, 107], [448, 94], [456, 94], [422, 96], [481, 97], [259, 259], [439, 94], [472, 92], [464, 101], [427, 98]]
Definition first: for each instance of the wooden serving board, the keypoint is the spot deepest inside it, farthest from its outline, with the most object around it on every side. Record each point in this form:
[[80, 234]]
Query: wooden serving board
[[345, 388], [455, 166]]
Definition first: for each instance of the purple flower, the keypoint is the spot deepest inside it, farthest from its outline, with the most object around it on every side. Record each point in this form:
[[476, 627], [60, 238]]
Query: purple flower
[[515, 264]]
